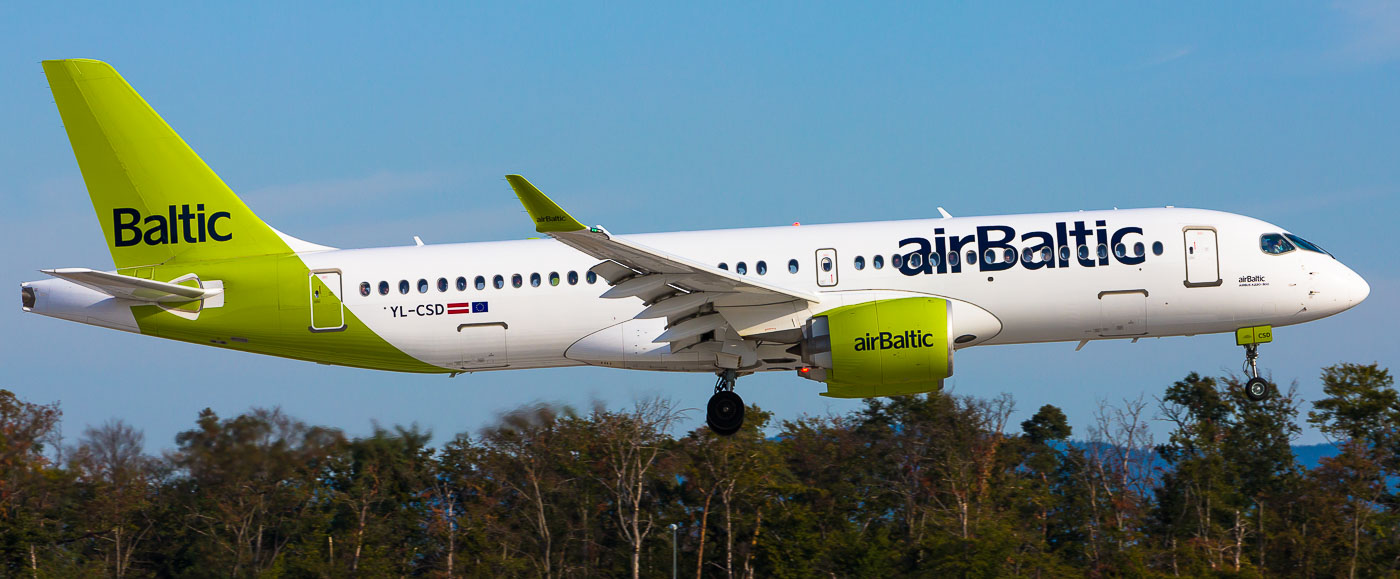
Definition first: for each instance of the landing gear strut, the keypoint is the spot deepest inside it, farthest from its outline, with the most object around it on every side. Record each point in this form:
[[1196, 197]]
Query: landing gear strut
[[1256, 389], [725, 413]]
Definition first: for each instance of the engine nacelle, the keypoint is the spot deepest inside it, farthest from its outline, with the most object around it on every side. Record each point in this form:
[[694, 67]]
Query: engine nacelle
[[880, 348]]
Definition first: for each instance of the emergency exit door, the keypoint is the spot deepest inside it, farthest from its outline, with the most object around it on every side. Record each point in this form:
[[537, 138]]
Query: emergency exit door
[[1202, 257], [327, 312], [826, 267]]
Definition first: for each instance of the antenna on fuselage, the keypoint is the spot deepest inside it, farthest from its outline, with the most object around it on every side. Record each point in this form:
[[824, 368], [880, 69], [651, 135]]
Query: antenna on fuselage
[[944, 213]]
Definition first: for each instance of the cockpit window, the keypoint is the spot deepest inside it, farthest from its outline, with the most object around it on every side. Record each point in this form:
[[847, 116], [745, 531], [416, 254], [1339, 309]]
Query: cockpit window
[[1274, 244], [1305, 244]]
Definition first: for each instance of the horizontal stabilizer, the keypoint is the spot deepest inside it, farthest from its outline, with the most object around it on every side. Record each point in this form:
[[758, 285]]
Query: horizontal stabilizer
[[131, 288]]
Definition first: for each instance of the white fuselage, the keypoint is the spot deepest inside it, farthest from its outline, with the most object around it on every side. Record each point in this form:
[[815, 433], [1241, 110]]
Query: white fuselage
[[1234, 284]]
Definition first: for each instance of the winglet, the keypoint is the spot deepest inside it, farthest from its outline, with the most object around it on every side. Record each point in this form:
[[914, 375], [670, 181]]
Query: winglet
[[548, 216]]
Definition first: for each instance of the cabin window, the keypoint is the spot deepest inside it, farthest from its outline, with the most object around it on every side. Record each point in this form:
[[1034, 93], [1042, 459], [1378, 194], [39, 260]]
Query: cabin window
[[403, 286], [989, 256], [535, 280], [1120, 251], [792, 266], [724, 266], [442, 284], [1103, 251], [878, 262], [480, 282], [1083, 252], [761, 267], [860, 262], [364, 288], [1156, 248], [461, 284], [1009, 255], [953, 258], [422, 286], [826, 264], [1305, 244], [591, 277], [916, 260], [498, 281], [1064, 253], [573, 278], [896, 260], [934, 258], [971, 257], [1138, 249], [1027, 255], [516, 281], [383, 288], [1046, 255], [741, 268], [553, 278]]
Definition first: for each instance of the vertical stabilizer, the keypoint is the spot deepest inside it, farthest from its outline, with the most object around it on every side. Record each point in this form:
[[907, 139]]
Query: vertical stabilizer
[[157, 201]]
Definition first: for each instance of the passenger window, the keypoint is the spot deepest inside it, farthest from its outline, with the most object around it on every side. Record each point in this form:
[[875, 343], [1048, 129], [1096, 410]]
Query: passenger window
[[1009, 255], [442, 284], [422, 286], [383, 288], [403, 286], [1120, 251], [896, 260], [573, 278], [1083, 252], [554, 278], [916, 260], [826, 264], [860, 262], [879, 262], [1064, 253], [741, 268], [971, 257], [591, 277], [953, 258], [934, 258], [535, 280], [498, 281], [480, 282], [724, 266], [761, 267], [1103, 251], [364, 288], [792, 266], [516, 281], [1156, 248], [1305, 244], [1027, 255], [989, 256], [461, 284], [1138, 250]]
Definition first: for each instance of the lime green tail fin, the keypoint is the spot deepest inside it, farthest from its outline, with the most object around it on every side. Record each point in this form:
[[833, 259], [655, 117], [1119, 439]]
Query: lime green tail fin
[[156, 199]]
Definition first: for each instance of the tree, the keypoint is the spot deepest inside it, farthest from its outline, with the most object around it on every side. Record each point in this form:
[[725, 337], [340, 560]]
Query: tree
[[117, 479], [631, 450]]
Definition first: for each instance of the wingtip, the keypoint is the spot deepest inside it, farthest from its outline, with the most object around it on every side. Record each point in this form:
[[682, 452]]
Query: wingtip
[[549, 217]]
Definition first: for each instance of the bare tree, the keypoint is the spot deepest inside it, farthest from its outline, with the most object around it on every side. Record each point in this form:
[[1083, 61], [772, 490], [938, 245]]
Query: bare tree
[[631, 444]]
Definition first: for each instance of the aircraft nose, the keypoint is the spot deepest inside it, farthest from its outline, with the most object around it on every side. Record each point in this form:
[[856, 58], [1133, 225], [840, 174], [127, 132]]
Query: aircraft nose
[[1356, 287]]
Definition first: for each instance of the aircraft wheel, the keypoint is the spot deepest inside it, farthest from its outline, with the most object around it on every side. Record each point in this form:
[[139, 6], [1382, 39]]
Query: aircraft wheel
[[725, 413], [1257, 389]]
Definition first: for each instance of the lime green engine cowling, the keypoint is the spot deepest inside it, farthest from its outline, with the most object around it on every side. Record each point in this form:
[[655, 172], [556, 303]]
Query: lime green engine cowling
[[880, 348]]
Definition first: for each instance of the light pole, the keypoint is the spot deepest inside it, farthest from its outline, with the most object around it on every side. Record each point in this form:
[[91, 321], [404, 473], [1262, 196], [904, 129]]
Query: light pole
[[673, 550]]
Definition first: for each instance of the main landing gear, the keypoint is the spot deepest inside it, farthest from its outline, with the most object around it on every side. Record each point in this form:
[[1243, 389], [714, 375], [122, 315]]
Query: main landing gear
[[725, 412], [1256, 389]]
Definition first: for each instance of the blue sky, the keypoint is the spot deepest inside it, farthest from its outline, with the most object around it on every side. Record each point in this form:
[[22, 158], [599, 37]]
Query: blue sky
[[365, 125]]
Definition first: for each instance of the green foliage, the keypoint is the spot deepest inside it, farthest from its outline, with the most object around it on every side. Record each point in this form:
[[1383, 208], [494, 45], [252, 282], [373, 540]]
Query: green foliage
[[923, 486]]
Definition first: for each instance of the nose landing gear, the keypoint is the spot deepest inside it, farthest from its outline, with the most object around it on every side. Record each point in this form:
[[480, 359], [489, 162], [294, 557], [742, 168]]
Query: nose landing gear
[[725, 412], [1256, 389]]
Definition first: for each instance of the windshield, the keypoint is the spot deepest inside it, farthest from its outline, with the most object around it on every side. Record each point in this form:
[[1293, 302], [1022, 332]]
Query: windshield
[[1274, 244], [1305, 244]]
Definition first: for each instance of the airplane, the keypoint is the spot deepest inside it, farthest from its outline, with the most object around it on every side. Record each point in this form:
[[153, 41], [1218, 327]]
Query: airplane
[[867, 309]]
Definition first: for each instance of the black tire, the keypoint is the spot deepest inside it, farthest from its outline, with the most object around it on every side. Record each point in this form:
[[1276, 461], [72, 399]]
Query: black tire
[[725, 413], [1257, 389]]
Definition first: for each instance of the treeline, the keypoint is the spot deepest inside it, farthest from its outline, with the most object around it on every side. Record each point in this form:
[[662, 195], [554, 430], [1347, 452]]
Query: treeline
[[935, 485]]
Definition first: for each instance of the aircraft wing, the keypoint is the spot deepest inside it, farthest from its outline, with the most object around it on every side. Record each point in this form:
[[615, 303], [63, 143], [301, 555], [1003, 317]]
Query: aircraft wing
[[131, 288], [672, 286]]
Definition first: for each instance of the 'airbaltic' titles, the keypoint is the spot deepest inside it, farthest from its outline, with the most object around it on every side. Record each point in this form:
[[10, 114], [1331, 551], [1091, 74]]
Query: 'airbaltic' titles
[[1048, 251], [164, 230], [889, 341]]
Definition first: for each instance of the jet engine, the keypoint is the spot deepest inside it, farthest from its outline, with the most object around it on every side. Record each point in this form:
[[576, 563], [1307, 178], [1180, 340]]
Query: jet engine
[[880, 348]]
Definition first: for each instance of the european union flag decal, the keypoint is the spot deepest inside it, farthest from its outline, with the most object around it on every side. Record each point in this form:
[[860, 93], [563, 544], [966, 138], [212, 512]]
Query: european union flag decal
[[478, 307]]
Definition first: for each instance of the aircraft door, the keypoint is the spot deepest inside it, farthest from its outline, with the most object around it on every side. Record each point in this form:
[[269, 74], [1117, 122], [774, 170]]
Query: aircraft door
[[826, 267], [483, 345], [1202, 258], [327, 311], [1123, 313]]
